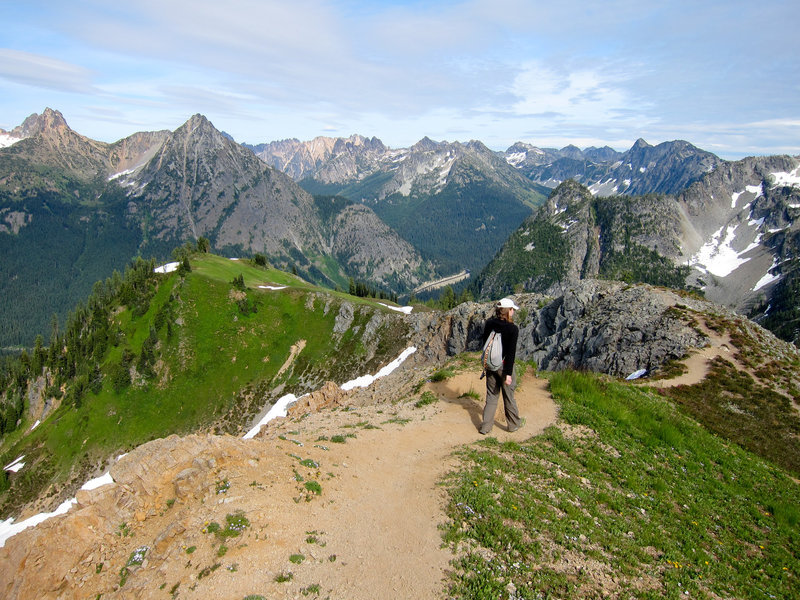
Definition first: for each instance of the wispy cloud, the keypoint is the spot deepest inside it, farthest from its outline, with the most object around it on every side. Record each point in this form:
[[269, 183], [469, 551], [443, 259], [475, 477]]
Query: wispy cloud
[[495, 70], [45, 72]]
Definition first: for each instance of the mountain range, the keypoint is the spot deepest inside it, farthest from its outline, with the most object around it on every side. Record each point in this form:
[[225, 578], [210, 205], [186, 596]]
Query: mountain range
[[670, 214], [74, 209], [452, 201]]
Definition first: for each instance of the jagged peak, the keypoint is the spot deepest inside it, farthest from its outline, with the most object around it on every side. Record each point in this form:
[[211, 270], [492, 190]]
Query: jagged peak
[[478, 146], [198, 120], [639, 144], [521, 147], [49, 120], [425, 143]]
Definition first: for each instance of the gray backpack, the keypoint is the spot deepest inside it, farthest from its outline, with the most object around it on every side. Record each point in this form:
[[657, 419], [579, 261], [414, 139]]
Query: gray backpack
[[492, 357]]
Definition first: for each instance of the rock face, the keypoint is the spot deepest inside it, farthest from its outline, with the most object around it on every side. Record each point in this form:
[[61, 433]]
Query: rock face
[[609, 328], [329, 395], [606, 327], [87, 552]]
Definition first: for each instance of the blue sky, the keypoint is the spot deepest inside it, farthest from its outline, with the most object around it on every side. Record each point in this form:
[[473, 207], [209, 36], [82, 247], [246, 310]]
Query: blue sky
[[723, 75]]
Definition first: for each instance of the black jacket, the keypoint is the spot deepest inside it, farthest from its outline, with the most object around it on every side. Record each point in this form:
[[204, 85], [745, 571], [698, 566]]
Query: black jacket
[[508, 334]]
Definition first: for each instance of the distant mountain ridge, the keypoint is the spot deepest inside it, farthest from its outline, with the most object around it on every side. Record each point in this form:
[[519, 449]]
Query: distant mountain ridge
[[734, 233], [453, 201], [73, 209], [667, 168], [81, 208]]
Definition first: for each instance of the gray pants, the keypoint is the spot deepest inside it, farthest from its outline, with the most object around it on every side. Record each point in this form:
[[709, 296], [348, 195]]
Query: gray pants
[[495, 383]]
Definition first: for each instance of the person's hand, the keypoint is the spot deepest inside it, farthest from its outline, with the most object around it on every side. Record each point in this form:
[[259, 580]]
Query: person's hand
[[508, 379]]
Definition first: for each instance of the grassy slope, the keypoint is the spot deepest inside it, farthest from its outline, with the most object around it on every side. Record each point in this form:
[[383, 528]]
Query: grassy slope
[[627, 497], [216, 370]]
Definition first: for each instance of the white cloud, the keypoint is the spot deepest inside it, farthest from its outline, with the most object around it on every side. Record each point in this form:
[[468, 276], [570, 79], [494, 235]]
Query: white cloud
[[43, 71], [581, 95]]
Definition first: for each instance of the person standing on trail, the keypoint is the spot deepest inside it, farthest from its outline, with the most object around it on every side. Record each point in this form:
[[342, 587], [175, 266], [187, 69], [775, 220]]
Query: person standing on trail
[[504, 380]]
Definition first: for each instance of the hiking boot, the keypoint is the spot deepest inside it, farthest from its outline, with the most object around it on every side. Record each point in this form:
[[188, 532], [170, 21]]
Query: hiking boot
[[520, 426]]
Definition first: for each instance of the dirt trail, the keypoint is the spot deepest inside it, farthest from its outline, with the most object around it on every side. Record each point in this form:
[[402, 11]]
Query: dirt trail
[[698, 362], [379, 514], [371, 531]]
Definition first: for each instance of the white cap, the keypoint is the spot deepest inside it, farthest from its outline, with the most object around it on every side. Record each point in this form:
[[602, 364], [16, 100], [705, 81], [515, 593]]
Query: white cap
[[507, 303]]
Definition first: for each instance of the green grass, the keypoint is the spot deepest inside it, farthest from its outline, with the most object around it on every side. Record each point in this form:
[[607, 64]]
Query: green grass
[[443, 374], [733, 404], [626, 497], [426, 399], [214, 371]]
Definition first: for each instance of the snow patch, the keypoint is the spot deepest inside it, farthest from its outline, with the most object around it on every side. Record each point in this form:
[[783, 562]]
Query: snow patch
[[93, 484], [366, 380], [6, 140], [167, 268], [403, 309], [717, 255], [280, 408], [754, 189], [121, 174], [8, 528], [636, 374], [272, 287], [15, 466], [788, 179], [516, 158], [765, 280]]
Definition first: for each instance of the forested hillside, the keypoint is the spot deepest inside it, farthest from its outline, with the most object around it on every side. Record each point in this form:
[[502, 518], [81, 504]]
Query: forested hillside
[[150, 354], [575, 235], [54, 255]]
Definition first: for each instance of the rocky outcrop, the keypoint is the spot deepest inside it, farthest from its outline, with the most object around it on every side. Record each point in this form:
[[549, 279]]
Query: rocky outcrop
[[329, 395], [601, 326], [609, 327], [84, 552]]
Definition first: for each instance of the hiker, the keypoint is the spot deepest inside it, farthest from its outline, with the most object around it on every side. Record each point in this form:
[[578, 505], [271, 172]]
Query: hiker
[[504, 379]]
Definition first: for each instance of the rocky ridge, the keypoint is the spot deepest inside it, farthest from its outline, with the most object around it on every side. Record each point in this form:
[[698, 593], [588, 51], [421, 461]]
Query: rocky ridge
[[667, 168]]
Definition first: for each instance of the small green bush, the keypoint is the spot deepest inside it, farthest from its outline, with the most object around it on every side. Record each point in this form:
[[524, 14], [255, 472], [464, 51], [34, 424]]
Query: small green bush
[[443, 374], [426, 398]]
